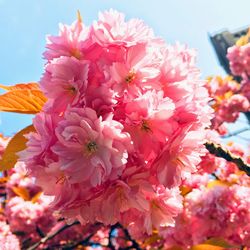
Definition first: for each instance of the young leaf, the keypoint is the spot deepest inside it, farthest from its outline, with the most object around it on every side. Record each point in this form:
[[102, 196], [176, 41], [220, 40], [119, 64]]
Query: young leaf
[[206, 247], [22, 192], [21, 86], [79, 17], [26, 101], [219, 242], [16, 144], [3, 180], [175, 248], [215, 183], [36, 197], [185, 190]]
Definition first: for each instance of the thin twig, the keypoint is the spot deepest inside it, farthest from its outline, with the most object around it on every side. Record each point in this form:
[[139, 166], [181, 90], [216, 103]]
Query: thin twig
[[52, 235], [237, 132], [40, 232], [135, 244], [215, 176], [111, 231], [84, 242], [243, 138], [219, 151]]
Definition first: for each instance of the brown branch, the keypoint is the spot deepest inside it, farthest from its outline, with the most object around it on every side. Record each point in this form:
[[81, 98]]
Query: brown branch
[[52, 235], [135, 244], [219, 151]]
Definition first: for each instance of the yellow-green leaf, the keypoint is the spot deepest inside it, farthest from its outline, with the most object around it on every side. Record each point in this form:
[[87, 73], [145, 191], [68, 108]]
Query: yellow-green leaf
[[151, 240], [26, 101], [218, 242], [16, 144], [79, 16]]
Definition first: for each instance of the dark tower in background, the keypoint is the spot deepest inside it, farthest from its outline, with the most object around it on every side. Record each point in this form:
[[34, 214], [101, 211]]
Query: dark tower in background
[[221, 41]]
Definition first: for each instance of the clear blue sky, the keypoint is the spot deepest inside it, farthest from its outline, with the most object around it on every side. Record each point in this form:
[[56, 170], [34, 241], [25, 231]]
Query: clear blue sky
[[25, 23]]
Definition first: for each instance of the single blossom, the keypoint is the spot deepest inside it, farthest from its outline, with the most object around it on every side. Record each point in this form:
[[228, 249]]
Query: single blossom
[[112, 29], [64, 81], [90, 149]]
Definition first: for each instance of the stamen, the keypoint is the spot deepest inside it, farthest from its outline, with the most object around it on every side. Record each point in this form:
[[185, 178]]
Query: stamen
[[130, 77], [72, 89], [76, 53], [91, 147], [145, 126], [61, 179]]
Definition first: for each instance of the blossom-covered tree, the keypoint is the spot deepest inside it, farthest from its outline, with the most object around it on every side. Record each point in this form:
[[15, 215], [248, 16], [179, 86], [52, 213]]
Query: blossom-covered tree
[[124, 152]]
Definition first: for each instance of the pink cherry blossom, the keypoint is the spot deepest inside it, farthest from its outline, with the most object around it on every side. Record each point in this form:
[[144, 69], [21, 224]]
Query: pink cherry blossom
[[8, 241], [179, 158], [138, 70], [147, 120], [111, 29], [68, 42], [65, 79], [90, 148]]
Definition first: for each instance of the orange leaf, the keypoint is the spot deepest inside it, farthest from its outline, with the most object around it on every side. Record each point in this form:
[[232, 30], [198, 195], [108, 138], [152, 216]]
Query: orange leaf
[[27, 101], [175, 248], [3, 180], [206, 247], [215, 183], [36, 197], [22, 192], [152, 239], [185, 190], [16, 144], [21, 86]]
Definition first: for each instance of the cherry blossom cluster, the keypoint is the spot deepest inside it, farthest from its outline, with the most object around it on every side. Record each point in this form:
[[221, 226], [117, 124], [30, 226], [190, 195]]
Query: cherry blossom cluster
[[26, 217], [210, 213], [215, 207], [229, 97], [8, 240], [124, 123], [239, 59], [228, 100]]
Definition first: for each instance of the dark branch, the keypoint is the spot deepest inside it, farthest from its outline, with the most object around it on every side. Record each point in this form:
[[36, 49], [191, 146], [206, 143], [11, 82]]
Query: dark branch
[[219, 151], [111, 231], [135, 245], [84, 242], [52, 235], [40, 232]]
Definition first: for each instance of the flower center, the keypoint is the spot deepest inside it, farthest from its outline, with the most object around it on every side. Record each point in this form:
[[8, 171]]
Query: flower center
[[76, 53], [91, 147], [130, 77], [72, 89], [145, 126], [61, 179]]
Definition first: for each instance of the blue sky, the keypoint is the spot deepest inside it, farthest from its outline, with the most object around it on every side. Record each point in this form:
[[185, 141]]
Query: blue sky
[[24, 25]]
